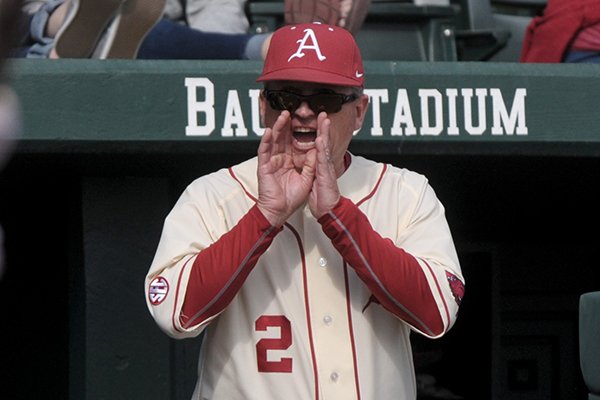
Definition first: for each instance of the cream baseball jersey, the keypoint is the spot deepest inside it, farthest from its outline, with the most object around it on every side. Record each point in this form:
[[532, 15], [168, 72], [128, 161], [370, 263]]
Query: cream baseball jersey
[[318, 309]]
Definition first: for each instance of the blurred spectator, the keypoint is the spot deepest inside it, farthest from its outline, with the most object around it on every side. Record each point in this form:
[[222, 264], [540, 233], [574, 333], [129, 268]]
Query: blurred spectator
[[567, 31], [124, 29], [223, 16], [349, 14], [9, 129], [9, 105], [204, 29], [9, 121], [188, 29], [75, 26], [171, 40]]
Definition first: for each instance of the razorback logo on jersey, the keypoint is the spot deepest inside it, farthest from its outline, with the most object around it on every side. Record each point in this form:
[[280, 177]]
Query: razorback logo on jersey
[[456, 286], [159, 288]]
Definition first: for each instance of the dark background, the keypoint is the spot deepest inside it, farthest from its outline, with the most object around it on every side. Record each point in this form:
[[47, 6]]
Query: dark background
[[525, 228]]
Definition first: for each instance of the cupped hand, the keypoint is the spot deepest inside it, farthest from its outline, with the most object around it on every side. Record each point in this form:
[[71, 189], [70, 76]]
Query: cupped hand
[[282, 188], [325, 193]]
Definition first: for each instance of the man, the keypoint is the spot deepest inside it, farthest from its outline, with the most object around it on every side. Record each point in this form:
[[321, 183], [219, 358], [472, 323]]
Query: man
[[307, 267]]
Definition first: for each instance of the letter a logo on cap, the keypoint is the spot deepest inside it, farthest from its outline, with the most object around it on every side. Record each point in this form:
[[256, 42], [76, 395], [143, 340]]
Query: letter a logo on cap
[[313, 53], [308, 34]]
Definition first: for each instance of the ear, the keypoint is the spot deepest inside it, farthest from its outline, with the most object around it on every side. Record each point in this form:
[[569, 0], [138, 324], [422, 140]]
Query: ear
[[262, 107], [362, 105]]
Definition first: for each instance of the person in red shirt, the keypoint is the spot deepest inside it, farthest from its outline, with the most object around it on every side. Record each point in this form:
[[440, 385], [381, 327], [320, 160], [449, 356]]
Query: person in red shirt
[[567, 31]]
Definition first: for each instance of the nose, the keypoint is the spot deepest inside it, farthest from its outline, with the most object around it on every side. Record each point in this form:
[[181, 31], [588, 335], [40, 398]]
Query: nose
[[304, 110]]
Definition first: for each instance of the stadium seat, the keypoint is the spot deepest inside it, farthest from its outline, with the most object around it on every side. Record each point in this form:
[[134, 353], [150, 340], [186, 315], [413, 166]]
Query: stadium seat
[[479, 39], [514, 16], [493, 30], [403, 31], [589, 342], [395, 30], [264, 15]]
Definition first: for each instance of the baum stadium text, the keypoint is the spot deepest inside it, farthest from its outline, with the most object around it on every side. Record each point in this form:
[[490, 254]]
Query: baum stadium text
[[425, 112]]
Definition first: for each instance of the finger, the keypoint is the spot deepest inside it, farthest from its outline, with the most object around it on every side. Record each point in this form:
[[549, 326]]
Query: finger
[[310, 166], [265, 147], [322, 142], [281, 126], [321, 129]]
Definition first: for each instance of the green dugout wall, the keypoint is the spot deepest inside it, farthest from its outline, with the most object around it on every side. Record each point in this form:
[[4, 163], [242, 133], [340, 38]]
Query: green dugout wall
[[442, 107], [513, 152]]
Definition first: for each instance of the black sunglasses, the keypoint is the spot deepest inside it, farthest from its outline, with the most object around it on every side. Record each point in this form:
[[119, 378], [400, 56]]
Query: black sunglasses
[[328, 102]]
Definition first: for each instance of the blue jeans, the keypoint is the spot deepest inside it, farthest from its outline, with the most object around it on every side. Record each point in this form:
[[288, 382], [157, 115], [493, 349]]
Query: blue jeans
[[588, 57], [33, 42], [170, 40]]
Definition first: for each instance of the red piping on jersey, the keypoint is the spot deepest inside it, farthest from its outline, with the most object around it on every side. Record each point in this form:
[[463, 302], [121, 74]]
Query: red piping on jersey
[[351, 329], [428, 266], [376, 281], [347, 160], [307, 308], [437, 284], [372, 193], [230, 169], [209, 304], [220, 301], [303, 258]]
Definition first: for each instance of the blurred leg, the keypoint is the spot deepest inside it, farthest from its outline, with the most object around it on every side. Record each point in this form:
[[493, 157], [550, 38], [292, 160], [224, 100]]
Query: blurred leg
[[170, 40], [56, 19], [582, 57], [85, 22], [136, 18]]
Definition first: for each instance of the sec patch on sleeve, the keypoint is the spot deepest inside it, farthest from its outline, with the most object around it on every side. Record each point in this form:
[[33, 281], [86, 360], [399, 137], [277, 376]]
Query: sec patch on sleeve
[[159, 288]]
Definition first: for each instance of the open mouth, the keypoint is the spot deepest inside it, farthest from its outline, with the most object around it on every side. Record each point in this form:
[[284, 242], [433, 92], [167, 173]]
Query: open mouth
[[305, 136]]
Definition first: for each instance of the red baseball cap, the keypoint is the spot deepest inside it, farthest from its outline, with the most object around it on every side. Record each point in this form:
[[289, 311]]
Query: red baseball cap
[[313, 52]]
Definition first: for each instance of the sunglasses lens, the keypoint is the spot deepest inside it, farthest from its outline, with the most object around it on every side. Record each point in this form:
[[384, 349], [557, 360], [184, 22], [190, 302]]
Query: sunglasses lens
[[330, 103], [283, 100], [290, 101]]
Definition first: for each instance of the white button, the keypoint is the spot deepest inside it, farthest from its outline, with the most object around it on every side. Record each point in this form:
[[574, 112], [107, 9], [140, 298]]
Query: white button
[[327, 319], [334, 376], [322, 262]]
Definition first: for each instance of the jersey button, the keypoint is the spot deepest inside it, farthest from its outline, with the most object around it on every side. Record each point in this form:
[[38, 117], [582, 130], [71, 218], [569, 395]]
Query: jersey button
[[327, 320], [323, 262], [334, 376]]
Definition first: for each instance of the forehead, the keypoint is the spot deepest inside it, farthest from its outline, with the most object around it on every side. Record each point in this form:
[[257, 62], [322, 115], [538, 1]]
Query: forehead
[[306, 87]]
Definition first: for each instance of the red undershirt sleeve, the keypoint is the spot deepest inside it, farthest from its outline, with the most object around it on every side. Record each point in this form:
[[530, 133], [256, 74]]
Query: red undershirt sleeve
[[220, 270], [394, 276]]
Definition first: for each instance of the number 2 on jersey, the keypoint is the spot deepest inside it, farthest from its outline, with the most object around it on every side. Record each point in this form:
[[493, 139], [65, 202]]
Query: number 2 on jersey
[[283, 342]]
